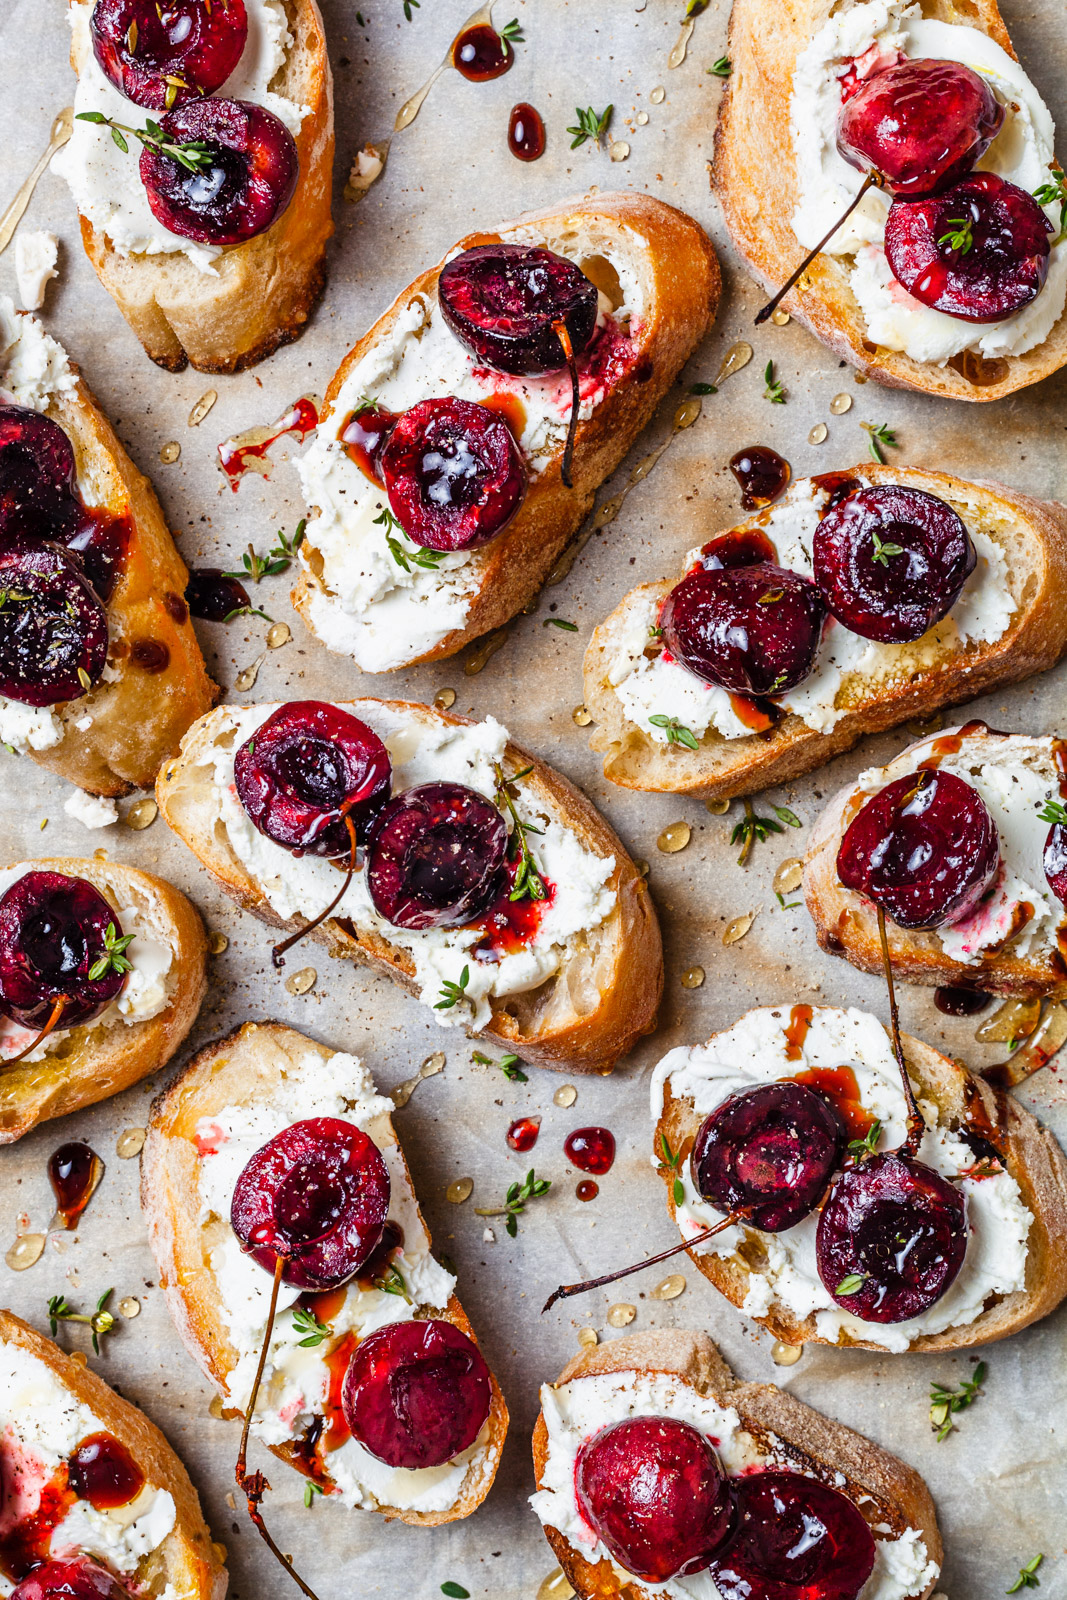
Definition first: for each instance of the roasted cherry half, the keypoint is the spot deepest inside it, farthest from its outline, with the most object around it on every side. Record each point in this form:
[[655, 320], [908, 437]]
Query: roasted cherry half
[[76, 1579], [794, 1539], [53, 932], [416, 1394], [749, 629], [924, 848], [979, 252], [315, 1196], [1054, 860], [304, 770], [890, 561], [435, 857], [36, 477], [769, 1153], [652, 1490], [53, 629], [891, 1238], [160, 56], [246, 170], [505, 301], [454, 474], [921, 124]]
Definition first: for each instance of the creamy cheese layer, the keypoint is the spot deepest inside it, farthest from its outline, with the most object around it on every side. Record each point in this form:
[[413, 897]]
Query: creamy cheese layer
[[576, 1411], [1021, 153], [752, 1052], [660, 685]]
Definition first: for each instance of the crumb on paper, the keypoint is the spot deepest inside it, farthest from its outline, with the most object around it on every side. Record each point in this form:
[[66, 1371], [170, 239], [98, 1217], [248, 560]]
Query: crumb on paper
[[36, 257], [91, 809], [367, 168]]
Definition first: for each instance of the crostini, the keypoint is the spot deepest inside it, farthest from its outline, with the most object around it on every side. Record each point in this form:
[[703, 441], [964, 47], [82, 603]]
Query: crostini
[[960, 143], [100, 671], [757, 1492], [874, 595], [404, 564], [208, 226], [993, 1161], [69, 1442], [104, 967], [234, 1097], [491, 888]]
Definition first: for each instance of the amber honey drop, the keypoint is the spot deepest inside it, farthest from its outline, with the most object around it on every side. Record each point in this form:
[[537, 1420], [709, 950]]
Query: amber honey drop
[[587, 1189], [74, 1170], [479, 54]]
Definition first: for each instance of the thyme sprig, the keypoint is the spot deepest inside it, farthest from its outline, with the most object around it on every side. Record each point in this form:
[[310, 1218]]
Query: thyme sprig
[[277, 560], [960, 235], [1028, 1578], [851, 1282], [511, 34], [1054, 811], [101, 1321], [314, 1331], [391, 1281], [1055, 193], [113, 957], [515, 1201], [774, 392], [528, 885], [677, 732], [193, 154], [509, 1065], [945, 1403], [671, 1163], [753, 827], [246, 611], [883, 550], [453, 993], [429, 559], [882, 438], [860, 1149], [590, 125], [721, 68]]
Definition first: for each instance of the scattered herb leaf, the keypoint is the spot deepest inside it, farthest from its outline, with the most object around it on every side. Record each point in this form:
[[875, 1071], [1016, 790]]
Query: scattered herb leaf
[[528, 884], [455, 1591], [721, 68], [1054, 812], [113, 958], [1028, 1578], [311, 1489], [452, 993], [774, 392], [509, 1065], [851, 1282], [277, 560], [882, 438], [702, 388], [590, 125], [753, 827], [192, 154], [677, 732], [960, 236], [558, 622], [511, 33], [859, 1149], [531, 1188], [307, 1323], [883, 550], [101, 1321], [944, 1403]]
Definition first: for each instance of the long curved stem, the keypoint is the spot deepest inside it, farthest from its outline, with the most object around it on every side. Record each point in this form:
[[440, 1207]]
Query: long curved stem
[[916, 1125], [873, 180], [565, 1291], [562, 333], [277, 955], [58, 1008]]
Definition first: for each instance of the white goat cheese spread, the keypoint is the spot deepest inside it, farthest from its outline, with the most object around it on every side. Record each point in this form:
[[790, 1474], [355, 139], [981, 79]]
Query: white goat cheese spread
[[826, 183], [91, 810], [426, 751], [579, 1409], [296, 1380], [106, 183], [1016, 775], [36, 255], [752, 1052], [365, 602], [661, 685], [41, 1425]]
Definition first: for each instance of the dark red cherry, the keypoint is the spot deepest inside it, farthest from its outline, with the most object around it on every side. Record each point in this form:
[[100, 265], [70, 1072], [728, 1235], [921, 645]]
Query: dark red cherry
[[749, 629], [454, 474], [794, 1539], [53, 629], [891, 1238], [501, 300], [305, 769], [236, 194], [769, 1152], [924, 848], [891, 561], [921, 124], [978, 252], [36, 476], [103, 1471], [76, 1579], [435, 857], [652, 1490], [416, 1394], [214, 595], [1055, 860], [160, 56], [317, 1195], [53, 931]]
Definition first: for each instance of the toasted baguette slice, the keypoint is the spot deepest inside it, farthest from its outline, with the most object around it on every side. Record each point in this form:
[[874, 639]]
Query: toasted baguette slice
[[260, 293], [891, 1496], [913, 681], [846, 923], [754, 175], [672, 260], [1027, 1150], [186, 1563], [97, 1059], [245, 1070], [602, 998]]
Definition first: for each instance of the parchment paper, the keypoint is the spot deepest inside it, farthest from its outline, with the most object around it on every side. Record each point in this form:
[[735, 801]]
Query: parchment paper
[[1000, 1482]]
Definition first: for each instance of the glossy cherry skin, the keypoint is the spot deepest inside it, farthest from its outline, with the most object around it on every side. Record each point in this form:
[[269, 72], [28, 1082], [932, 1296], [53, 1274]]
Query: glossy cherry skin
[[898, 1226], [317, 1195], [1005, 266], [770, 1152], [922, 124], [924, 848], [251, 179], [306, 768], [52, 932], [417, 1394], [52, 628], [36, 477], [74, 1579], [182, 49], [500, 300], [890, 561], [749, 629], [794, 1539], [454, 474], [435, 857], [654, 1493], [1054, 860]]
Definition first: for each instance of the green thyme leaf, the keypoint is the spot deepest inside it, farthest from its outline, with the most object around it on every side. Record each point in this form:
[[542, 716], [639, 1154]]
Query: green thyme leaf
[[677, 732], [851, 1282], [721, 68]]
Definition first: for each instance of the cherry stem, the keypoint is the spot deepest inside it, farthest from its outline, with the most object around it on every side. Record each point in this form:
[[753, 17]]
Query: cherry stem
[[565, 1291], [873, 180], [277, 955], [916, 1124], [60, 1005], [562, 333], [253, 1485]]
